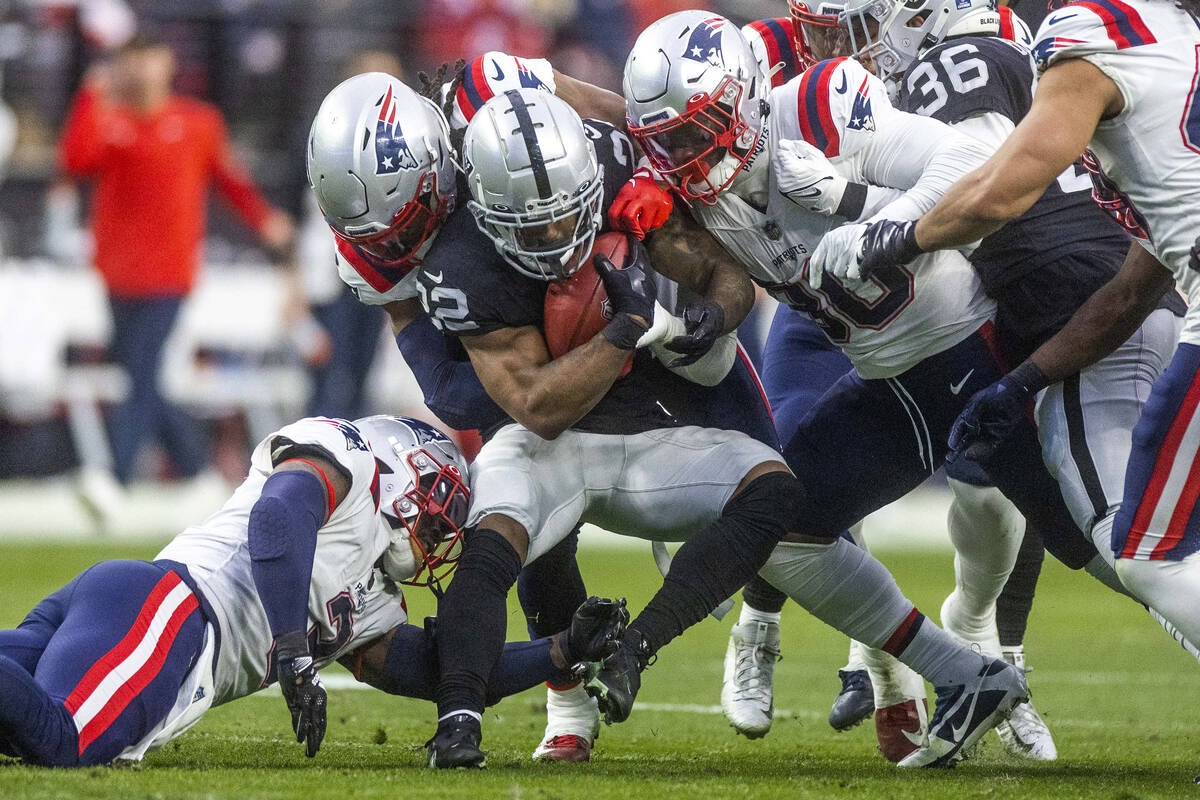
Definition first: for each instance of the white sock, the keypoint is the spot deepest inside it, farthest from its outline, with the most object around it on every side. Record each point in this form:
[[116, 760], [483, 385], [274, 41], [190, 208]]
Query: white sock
[[892, 681], [478, 717], [1171, 588], [571, 712], [856, 660], [754, 615], [986, 531], [937, 655]]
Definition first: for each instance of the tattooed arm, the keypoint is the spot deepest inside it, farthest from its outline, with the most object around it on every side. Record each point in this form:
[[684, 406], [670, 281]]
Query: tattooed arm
[[689, 255]]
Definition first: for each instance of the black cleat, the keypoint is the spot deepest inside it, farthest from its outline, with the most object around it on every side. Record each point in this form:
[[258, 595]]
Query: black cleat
[[596, 630], [456, 744], [616, 686], [855, 702]]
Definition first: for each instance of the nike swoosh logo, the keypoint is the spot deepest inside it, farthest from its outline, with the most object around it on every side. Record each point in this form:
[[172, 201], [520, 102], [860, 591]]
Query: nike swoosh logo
[[499, 76], [1056, 20], [957, 730], [955, 388], [842, 89], [916, 738], [438, 279]]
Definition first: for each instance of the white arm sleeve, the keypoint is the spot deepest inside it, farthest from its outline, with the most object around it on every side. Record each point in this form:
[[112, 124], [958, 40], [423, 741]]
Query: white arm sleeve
[[990, 128], [921, 155]]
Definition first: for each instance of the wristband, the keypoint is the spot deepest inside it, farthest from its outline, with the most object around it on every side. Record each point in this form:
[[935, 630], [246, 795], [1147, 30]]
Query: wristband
[[624, 332], [854, 200], [291, 645], [1029, 377]]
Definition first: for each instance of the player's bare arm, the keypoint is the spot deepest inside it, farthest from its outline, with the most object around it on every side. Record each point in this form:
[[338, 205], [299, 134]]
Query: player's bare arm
[[688, 254], [1108, 318], [589, 101], [547, 396], [1071, 98]]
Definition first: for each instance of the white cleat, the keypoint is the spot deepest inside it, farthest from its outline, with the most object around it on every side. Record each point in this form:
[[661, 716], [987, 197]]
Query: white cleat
[[747, 693], [572, 725], [1025, 733], [966, 711]]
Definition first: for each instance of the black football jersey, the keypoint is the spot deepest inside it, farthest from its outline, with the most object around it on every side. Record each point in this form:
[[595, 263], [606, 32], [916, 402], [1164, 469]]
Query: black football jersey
[[1064, 236], [468, 289]]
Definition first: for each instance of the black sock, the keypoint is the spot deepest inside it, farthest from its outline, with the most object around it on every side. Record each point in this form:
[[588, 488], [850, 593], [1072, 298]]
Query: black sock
[[717, 561], [471, 621], [762, 596], [551, 588], [1016, 598]]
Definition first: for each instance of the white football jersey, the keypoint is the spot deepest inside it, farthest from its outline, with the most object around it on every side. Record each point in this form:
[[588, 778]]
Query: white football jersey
[[373, 285], [897, 318], [350, 601], [1151, 150]]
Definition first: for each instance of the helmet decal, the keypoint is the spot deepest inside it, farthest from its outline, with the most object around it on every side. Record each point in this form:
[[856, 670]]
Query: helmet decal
[[704, 45], [391, 151]]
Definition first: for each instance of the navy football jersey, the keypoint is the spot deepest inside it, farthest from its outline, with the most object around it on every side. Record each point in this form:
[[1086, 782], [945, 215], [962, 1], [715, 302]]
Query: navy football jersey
[[468, 289]]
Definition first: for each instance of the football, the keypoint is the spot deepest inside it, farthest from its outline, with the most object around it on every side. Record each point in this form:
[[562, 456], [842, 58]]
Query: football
[[576, 309]]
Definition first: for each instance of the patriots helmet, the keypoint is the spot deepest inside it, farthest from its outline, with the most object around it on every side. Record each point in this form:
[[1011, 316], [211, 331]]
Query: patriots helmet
[[536, 185], [423, 497], [695, 100], [381, 167]]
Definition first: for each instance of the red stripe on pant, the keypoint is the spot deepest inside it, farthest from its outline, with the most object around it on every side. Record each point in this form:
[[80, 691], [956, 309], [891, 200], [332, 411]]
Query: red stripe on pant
[[1183, 511], [123, 648], [141, 679], [1162, 470]]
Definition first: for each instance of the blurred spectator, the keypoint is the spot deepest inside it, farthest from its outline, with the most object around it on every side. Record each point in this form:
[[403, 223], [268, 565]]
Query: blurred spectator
[[452, 29], [152, 156]]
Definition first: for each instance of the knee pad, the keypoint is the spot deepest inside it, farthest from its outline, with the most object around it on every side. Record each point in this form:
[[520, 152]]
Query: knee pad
[[777, 497]]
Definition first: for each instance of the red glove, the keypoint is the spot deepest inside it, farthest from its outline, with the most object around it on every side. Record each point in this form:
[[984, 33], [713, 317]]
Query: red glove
[[641, 205]]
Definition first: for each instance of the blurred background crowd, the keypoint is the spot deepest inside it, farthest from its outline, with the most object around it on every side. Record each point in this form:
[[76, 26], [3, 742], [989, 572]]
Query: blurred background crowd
[[167, 288]]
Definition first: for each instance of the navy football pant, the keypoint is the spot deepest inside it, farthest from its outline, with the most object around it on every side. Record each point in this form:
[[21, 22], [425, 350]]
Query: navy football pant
[[96, 665]]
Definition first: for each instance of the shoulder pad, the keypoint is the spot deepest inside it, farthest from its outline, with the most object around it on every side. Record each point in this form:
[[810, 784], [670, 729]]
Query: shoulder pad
[[494, 73], [1088, 27], [836, 106], [335, 440], [773, 43]]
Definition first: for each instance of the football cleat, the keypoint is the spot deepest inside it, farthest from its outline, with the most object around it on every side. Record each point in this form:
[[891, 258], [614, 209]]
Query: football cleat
[[456, 744], [572, 725], [747, 692], [966, 711], [1025, 733], [616, 685], [855, 702], [902, 729], [596, 629]]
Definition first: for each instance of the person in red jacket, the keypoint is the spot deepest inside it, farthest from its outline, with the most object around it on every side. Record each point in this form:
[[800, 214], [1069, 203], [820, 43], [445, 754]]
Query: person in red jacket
[[152, 156]]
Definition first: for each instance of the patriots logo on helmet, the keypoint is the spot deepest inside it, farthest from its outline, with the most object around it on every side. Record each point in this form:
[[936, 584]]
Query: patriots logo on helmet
[[426, 433], [861, 118], [391, 151], [704, 45], [354, 438]]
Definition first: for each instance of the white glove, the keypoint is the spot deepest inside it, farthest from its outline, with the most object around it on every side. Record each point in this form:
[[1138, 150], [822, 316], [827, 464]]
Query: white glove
[[837, 254], [805, 176], [663, 327]]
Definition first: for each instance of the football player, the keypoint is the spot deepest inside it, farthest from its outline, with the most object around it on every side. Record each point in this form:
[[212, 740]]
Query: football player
[[530, 488], [917, 339], [551, 585], [300, 568], [1118, 78]]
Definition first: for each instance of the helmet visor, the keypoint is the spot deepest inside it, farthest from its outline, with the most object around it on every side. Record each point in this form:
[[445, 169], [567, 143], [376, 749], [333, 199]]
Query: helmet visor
[[413, 224]]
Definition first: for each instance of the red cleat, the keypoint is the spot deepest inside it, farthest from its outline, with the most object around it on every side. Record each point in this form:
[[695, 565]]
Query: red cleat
[[564, 748], [902, 729]]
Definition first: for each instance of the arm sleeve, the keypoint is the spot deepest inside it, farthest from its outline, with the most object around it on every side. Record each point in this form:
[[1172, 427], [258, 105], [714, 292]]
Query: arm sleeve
[[81, 149], [233, 182], [282, 540], [451, 388]]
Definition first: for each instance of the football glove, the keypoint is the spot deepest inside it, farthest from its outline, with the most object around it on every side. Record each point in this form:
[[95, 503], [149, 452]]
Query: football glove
[[993, 413], [703, 322], [632, 291], [835, 255], [303, 693], [640, 206], [805, 176]]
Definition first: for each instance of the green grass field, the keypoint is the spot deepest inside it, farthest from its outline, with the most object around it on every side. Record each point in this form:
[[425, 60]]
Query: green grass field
[[1121, 698]]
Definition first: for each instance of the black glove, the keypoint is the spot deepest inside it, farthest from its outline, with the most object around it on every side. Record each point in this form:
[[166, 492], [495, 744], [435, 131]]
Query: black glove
[[1194, 261], [993, 413], [703, 322], [302, 690], [631, 290], [887, 243], [596, 629]]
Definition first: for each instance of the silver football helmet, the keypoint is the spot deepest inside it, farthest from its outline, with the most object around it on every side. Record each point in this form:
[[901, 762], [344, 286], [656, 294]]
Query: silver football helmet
[[381, 166], [695, 101], [888, 35], [423, 495], [536, 186]]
